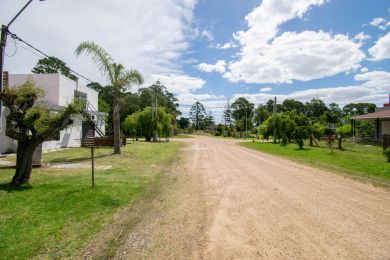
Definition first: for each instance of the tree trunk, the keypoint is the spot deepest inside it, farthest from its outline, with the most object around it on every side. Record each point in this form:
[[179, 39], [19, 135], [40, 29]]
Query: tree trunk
[[116, 126], [23, 163]]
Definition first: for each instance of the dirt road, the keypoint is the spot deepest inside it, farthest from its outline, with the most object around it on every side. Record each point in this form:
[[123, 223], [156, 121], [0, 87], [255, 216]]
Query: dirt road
[[242, 204]]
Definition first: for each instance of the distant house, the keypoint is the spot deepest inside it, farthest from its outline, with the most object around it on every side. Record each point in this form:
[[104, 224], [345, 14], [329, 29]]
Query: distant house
[[381, 117], [59, 91]]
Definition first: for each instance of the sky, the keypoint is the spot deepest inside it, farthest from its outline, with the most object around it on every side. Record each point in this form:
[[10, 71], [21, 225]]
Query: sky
[[213, 51]]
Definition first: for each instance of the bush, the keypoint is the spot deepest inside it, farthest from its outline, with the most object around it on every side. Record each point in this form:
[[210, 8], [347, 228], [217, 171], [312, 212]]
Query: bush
[[284, 140], [386, 153], [300, 134]]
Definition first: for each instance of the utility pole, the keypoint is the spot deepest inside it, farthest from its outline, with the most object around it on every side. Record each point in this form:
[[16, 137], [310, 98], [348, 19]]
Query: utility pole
[[155, 122], [246, 122], [3, 43], [274, 116]]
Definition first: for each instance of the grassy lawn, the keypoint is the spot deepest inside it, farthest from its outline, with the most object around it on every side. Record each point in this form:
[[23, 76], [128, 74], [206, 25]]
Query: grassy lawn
[[358, 160], [59, 212]]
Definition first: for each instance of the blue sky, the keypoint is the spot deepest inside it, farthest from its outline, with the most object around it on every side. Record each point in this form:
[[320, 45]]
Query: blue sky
[[213, 50]]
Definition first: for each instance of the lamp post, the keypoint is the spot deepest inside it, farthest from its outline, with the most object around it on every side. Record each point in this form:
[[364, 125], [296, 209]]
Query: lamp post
[[3, 43]]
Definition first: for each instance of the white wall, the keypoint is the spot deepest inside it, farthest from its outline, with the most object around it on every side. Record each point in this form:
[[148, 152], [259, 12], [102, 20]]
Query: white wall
[[59, 90], [69, 137], [386, 127], [6, 144], [49, 82]]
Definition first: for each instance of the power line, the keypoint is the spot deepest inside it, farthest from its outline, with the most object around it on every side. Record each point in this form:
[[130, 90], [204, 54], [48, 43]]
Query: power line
[[14, 36]]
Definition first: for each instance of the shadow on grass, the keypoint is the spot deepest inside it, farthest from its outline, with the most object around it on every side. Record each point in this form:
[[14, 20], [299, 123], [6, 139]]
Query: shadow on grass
[[302, 149], [9, 188], [7, 167], [78, 159]]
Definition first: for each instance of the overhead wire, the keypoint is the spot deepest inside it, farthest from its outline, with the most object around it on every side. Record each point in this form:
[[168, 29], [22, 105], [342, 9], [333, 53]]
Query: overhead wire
[[15, 37]]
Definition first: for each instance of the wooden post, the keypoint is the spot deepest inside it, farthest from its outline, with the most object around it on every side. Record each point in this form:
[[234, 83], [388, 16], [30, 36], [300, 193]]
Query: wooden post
[[93, 168], [340, 142]]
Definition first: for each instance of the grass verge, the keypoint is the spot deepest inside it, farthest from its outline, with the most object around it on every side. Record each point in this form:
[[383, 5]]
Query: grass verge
[[59, 213], [362, 161]]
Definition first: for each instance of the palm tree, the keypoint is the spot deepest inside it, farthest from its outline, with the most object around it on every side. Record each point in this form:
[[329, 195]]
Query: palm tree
[[119, 80]]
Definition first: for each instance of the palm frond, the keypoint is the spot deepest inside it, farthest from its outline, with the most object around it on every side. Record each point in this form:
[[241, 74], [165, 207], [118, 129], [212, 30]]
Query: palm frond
[[99, 56], [133, 77]]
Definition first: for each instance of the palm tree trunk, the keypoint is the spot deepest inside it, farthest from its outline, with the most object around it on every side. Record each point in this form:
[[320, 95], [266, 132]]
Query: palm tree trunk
[[116, 126]]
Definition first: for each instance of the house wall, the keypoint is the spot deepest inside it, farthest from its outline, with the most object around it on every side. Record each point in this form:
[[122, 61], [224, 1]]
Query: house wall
[[59, 91], [385, 129], [69, 137], [6, 144], [49, 82]]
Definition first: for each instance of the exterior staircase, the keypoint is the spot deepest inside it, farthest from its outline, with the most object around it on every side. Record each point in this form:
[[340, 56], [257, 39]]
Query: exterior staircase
[[94, 119]]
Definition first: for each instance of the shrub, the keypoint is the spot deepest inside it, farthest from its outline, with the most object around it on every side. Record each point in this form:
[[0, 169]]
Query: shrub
[[300, 134], [284, 140], [386, 153]]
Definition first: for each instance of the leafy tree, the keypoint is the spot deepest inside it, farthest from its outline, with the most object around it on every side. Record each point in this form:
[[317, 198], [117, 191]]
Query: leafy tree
[[129, 103], [269, 106], [31, 123], [242, 113], [293, 105], [227, 115], [198, 115], [302, 129], [261, 114], [289, 126], [315, 108], [345, 130], [357, 109], [183, 122], [53, 65], [145, 123], [317, 130], [158, 92], [119, 79], [209, 121]]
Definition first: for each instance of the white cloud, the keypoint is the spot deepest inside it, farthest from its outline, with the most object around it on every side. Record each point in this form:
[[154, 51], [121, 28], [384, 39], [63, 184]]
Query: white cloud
[[269, 57], [225, 46], [265, 89], [381, 49], [379, 22], [373, 89], [363, 70], [149, 36], [264, 20], [296, 56], [184, 87], [361, 37], [190, 61], [208, 35], [220, 67], [177, 83]]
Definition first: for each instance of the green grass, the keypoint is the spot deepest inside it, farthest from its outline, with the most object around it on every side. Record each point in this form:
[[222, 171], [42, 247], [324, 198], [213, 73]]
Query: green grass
[[59, 212], [366, 162]]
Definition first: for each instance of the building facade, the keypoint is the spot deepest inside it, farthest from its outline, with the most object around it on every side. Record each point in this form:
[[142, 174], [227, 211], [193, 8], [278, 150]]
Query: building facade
[[59, 92]]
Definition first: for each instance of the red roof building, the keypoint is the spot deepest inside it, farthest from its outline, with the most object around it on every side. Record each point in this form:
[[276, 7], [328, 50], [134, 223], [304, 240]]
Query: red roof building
[[382, 120]]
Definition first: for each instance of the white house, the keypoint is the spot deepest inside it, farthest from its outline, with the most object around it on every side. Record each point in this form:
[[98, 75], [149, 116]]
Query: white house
[[59, 91]]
